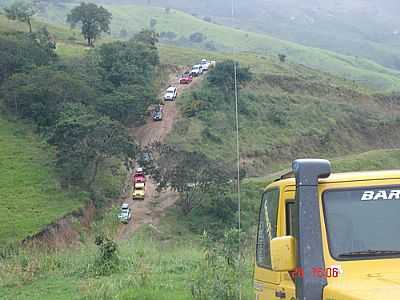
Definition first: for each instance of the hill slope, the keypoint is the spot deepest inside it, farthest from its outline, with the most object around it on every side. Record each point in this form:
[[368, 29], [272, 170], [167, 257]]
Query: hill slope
[[30, 195], [287, 111], [364, 28], [134, 17]]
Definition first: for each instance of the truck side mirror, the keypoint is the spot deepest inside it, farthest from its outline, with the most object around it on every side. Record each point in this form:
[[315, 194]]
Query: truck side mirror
[[283, 254]]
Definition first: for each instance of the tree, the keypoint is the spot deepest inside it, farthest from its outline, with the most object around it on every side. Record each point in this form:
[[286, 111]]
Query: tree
[[93, 19], [169, 35], [197, 37], [84, 139], [21, 53], [41, 94], [123, 33], [153, 23], [223, 76], [127, 104], [21, 11], [189, 173], [148, 37], [128, 63]]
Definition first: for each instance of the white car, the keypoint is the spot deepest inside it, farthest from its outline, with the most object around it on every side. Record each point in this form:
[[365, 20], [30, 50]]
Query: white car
[[205, 64], [170, 94], [196, 70], [126, 214]]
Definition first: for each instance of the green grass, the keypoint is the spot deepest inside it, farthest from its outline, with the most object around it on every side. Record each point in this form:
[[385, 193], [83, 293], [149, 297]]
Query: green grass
[[285, 112], [135, 17], [30, 195], [154, 266], [374, 160]]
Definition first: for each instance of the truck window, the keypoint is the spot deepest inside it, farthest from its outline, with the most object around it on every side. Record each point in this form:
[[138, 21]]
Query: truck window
[[267, 227], [289, 218], [363, 223]]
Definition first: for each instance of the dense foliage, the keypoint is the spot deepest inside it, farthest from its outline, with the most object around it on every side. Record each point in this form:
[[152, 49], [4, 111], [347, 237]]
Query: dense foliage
[[21, 11], [81, 107], [21, 53]]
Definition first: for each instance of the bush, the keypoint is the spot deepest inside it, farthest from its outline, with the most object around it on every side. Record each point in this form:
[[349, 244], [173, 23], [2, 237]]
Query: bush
[[216, 278], [197, 37], [169, 35], [107, 261]]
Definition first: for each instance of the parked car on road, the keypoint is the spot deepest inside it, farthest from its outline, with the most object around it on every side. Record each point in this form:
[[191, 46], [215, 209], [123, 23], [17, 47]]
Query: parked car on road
[[186, 78], [171, 94], [196, 70], [126, 213]]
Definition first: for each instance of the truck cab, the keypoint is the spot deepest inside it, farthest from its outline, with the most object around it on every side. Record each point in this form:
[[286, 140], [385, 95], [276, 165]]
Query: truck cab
[[324, 236]]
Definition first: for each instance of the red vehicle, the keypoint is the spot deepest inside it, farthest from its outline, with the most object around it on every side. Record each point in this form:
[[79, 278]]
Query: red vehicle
[[186, 78], [139, 177]]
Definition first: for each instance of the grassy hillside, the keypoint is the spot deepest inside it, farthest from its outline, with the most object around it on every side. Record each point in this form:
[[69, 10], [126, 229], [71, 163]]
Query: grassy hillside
[[374, 160], [363, 28], [132, 18], [30, 195], [287, 111], [154, 265]]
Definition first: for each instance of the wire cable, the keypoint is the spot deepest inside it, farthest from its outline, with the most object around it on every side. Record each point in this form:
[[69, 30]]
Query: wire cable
[[237, 156]]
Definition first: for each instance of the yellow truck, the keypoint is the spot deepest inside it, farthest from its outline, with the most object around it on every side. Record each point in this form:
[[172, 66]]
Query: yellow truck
[[138, 191], [324, 236]]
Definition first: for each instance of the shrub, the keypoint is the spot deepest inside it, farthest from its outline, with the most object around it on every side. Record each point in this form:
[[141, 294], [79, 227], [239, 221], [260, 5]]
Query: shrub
[[107, 261], [197, 37]]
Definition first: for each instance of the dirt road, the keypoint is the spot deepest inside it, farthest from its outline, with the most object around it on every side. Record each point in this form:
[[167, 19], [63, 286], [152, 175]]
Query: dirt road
[[150, 210]]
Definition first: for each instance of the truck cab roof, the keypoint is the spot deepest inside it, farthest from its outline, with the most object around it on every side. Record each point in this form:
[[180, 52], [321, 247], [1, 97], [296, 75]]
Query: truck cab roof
[[347, 176]]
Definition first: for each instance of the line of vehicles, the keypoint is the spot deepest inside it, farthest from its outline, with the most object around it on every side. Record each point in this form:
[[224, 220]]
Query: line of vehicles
[[138, 192], [157, 112]]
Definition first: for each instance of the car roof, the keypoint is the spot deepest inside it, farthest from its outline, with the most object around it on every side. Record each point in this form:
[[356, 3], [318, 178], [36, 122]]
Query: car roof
[[171, 88], [196, 66], [125, 205]]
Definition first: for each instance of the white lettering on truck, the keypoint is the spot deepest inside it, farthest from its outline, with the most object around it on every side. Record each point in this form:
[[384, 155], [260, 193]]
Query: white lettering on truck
[[381, 195]]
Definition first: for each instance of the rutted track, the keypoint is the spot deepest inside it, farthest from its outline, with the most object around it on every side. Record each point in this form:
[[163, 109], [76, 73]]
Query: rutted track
[[151, 209]]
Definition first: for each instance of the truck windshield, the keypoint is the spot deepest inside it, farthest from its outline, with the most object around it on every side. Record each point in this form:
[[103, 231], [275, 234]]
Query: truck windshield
[[363, 223]]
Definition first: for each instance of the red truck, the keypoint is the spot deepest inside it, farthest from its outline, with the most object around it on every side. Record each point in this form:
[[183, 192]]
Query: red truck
[[186, 78], [139, 177]]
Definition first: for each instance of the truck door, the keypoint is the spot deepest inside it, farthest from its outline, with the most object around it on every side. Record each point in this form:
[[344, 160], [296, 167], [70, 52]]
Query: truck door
[[287, 285], [266, 281]]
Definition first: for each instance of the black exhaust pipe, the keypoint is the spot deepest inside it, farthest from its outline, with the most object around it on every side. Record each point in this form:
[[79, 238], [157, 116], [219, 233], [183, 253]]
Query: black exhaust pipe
[[307, 227]]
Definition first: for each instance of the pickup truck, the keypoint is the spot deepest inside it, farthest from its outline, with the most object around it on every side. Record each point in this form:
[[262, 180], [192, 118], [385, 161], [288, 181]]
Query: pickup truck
[[205, 64], [126, 213], [138, 191], [157, 113], [329, 236], [196, 70], [139, 176], [186, 78], [171, 94]]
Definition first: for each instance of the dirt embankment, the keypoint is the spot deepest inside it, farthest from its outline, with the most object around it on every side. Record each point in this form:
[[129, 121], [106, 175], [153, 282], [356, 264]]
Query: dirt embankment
[[65, 232]]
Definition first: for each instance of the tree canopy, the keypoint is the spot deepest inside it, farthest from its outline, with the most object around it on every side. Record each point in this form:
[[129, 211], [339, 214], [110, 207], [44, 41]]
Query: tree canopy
[[21, 11], [93, 20]]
